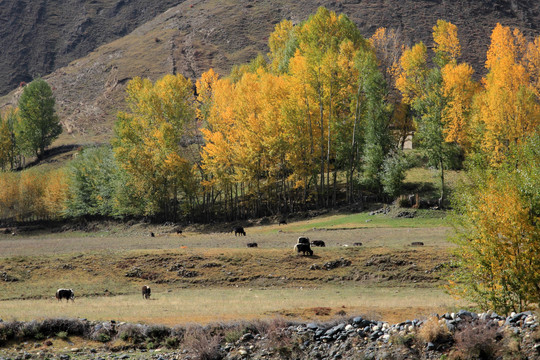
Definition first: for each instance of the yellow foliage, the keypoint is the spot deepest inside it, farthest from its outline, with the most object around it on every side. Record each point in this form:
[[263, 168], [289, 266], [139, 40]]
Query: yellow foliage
[[147, 141], [55, 193], [447, 46], [509, 106], [459, 88], [411, 72], [9, 193]]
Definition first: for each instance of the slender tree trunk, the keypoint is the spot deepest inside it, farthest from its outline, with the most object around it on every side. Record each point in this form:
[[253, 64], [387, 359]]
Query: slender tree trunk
[[321, 126], [353, 142], [328, 147], [443, 191], [334, 189]]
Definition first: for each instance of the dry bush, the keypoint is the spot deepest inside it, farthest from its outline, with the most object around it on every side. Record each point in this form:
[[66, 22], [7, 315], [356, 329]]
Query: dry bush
[[72, 327], [202, 343], [133, 333], [477, 341], [278, 338], [103, 332], [9, 331], [157, 333], [435, 331]]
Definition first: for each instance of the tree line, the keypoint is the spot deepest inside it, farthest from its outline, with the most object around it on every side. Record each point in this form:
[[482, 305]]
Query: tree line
[[319, 121]]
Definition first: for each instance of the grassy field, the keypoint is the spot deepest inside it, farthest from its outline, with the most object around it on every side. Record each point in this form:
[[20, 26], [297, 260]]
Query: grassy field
[[212, 276], [228, 304]]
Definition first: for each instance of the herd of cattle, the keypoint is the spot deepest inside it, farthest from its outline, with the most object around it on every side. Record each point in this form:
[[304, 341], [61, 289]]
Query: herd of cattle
[[303, 246]]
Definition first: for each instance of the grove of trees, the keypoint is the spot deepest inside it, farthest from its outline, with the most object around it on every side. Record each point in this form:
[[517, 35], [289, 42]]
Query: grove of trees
[[318, 121]]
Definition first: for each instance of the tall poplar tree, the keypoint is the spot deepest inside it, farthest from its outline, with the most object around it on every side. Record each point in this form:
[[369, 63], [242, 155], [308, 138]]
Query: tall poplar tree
[[39, 125]]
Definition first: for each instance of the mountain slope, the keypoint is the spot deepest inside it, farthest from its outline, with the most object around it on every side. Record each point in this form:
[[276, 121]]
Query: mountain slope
[[195, 35], [39, 36]]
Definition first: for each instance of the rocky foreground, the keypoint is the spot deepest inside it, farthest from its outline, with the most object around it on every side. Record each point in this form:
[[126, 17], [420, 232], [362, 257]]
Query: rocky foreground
[[461, 335]]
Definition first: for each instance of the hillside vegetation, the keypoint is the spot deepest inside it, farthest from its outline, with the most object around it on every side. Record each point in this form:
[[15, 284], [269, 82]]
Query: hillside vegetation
[[194, 36]]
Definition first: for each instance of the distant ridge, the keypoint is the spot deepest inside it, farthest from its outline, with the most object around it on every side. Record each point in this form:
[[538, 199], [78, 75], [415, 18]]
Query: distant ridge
[[193, 36]]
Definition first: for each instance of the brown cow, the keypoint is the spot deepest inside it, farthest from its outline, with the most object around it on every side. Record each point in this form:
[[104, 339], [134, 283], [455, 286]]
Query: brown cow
[[146, 292]]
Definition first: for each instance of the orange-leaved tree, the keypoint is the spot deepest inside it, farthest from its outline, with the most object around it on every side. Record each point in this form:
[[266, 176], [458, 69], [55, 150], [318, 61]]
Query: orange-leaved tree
[[509, 106]]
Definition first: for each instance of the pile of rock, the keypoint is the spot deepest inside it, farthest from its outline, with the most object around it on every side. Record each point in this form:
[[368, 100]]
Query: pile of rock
[[352, 338]]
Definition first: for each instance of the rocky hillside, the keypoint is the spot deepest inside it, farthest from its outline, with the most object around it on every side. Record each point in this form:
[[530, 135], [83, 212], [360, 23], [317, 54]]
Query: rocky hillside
[[40, 36], [195, 35]]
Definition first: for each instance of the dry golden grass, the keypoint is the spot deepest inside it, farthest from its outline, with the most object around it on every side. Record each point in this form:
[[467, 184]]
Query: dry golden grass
[[224, 304], [212, 277]]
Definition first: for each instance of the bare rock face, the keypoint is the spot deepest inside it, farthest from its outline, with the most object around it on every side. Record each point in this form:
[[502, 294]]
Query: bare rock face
[[91, 49], [39, 36]]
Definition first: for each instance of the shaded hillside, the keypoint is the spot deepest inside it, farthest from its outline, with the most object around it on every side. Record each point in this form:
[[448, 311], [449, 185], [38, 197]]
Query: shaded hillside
[[39, 36], [198, 34]]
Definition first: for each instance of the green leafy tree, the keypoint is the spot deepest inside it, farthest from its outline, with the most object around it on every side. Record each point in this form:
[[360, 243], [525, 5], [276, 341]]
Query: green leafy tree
[[393, 173], [377, 115], [93, 182], [148, 142], [423, 88], [39, 125]]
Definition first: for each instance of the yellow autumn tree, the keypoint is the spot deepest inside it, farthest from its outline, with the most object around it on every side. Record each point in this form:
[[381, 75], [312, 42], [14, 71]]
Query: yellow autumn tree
[[499, 232], [55, 193], [509, 106], [447, 47], [411, 72], [149, 141], [460, 89], [10, 194]]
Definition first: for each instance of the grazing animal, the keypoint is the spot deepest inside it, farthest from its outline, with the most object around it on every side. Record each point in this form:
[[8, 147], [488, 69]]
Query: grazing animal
[[146, 291], [303, 240], [283, 222], [252, 245], [239, 230], [357, 244], [303, 248], [319, 243], [152, 234], [417, 243], [178, 231], [67, 294]]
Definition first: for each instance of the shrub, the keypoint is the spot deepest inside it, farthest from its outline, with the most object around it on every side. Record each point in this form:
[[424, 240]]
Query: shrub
[[8, 331], [133, 333], [435, 331], [393, 173], [233, 335], [405, 340], [204, 345], [103, 337], [29, 330], [157, 332], [62, 335], [172, 342], [477, 342]]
